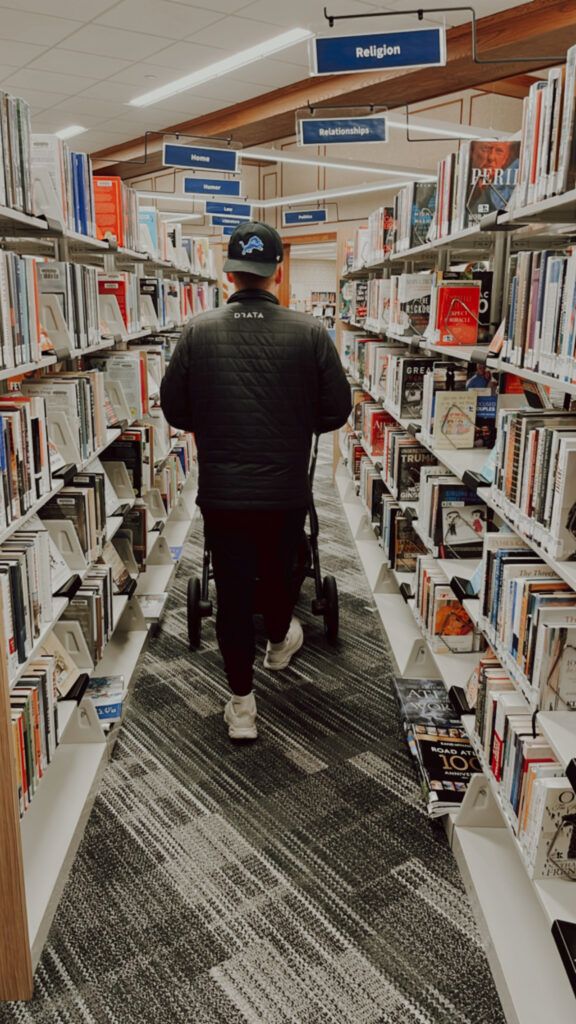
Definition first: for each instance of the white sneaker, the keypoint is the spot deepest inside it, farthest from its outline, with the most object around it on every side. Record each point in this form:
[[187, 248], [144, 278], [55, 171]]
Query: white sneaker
[[240, 717], [278, 655]]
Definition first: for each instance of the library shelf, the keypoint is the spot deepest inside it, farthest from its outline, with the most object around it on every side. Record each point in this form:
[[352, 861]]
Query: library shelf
[[20, 523], [529, 975], [155, 579], [457, 460], [52, 826], [558, 208], [554, 383], [13, 220], [9, 372], [559, 727], [565, 569]]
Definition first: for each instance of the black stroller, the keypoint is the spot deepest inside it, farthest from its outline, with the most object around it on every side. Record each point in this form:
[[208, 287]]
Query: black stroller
[[325, 603]]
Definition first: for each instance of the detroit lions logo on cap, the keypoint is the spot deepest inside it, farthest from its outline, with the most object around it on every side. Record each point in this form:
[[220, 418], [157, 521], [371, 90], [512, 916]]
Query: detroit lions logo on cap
[[254, 244]]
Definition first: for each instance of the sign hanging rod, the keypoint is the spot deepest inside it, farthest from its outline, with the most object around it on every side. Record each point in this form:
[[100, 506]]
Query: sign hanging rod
[[421, 11]]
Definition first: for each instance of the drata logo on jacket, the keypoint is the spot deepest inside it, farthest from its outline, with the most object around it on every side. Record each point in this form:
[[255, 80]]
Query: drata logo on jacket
[[253, 244]]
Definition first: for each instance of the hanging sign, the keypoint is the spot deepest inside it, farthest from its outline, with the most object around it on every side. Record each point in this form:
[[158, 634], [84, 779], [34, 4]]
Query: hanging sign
[[232, 209], [176, 155], [379, 51], [211, 187], [323, 131], [219, 221], [304, 217], [227, 230]]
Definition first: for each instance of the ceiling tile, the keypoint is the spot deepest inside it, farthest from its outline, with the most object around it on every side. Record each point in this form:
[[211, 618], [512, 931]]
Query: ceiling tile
[[186, 57], [18, 53], [158, 17], [83, 107], [236, 33], [40, 99], [89, 65], [25, 27], [115, 42], [83, 10], [223, 6], [50, 80]]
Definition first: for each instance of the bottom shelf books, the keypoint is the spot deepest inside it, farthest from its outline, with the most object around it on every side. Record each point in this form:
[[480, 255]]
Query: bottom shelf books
[[438, 742]]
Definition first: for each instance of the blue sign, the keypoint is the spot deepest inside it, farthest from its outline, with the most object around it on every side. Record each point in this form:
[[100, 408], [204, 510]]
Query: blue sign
[[233, 209], [175, 155], [227, 230], [304, 217], [211, 187], [323, 131], [219, 221], [379, 51]]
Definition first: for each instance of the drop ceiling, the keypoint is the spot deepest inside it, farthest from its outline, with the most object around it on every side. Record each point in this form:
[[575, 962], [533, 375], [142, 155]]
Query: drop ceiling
[[81, 62]]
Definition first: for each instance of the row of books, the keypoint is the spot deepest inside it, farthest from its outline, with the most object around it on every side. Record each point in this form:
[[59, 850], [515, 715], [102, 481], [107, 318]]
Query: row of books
[[352, 306], [34, 718], [380, 238], [535, 475], [540, 312], [459, 405], [16, 189], [537, 798], [26, 594], [443, 619], [116, 211], [63, 184], [68, 301], [25, 470], [75, 411], [20, 337], [548, 142], [452, 519], [527, 613]]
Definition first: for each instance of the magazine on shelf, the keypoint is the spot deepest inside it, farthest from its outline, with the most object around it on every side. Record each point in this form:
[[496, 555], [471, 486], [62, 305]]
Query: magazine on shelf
[[444, 757]]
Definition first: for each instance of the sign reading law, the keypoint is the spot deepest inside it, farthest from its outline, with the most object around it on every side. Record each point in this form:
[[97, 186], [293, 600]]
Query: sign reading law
[[176, 155], [323, 131], [233, 209], [380, 51]]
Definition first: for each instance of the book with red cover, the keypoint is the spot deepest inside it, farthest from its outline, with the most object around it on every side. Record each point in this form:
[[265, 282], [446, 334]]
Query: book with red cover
[[108, 207], [457, 311]]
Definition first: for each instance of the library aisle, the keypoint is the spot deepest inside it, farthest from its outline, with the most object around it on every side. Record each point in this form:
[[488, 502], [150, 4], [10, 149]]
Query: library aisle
[[297, 879]]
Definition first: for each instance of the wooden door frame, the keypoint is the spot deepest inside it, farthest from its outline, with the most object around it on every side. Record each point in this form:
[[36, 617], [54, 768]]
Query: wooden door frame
[[288, 242]]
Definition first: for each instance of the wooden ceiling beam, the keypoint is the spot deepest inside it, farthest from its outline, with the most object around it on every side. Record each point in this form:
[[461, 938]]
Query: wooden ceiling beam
[[517, 86], [539, 31]]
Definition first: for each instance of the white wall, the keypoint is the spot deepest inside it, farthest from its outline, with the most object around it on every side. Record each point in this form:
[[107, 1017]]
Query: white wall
[[307, 276]]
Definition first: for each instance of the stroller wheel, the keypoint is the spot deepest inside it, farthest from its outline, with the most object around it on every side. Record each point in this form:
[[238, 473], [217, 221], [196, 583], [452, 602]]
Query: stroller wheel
[[330, 595], [194, 612]]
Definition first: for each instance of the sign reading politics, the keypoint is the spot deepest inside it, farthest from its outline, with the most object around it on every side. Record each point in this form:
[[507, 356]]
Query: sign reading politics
[[176, 155], [304, 217], [323, 131], [379, 51], [211, 187], [220, 221], [232, 209]]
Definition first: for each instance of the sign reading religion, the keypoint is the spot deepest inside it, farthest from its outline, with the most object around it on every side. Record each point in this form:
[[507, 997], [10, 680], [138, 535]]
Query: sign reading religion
[[323, 131], [379, 51]]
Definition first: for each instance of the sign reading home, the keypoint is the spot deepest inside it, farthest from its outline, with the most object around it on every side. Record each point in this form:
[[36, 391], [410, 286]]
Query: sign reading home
[[211, 187], [379, 51], [304, 217], [176, 155], [323, 131]]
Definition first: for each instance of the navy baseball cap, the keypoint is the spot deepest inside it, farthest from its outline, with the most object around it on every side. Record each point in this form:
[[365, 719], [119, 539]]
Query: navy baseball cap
[[254, 248]]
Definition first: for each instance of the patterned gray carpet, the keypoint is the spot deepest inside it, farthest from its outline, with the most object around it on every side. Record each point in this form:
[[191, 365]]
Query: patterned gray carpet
[[296, 880]]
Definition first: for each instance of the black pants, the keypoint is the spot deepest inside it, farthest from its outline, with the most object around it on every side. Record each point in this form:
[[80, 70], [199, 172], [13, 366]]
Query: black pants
[[249, 545]]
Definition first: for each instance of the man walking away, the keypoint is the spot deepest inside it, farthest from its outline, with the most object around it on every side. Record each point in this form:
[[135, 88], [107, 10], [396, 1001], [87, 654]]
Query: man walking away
[[254, 382]]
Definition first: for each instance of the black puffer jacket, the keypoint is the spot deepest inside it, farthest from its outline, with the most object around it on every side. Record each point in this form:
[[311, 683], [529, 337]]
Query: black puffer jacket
[[254, 381]]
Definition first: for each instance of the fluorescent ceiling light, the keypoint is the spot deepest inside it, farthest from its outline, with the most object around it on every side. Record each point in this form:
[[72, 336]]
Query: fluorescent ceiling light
[[223, 67], [332, 193], [71, 131], [343, 165]]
